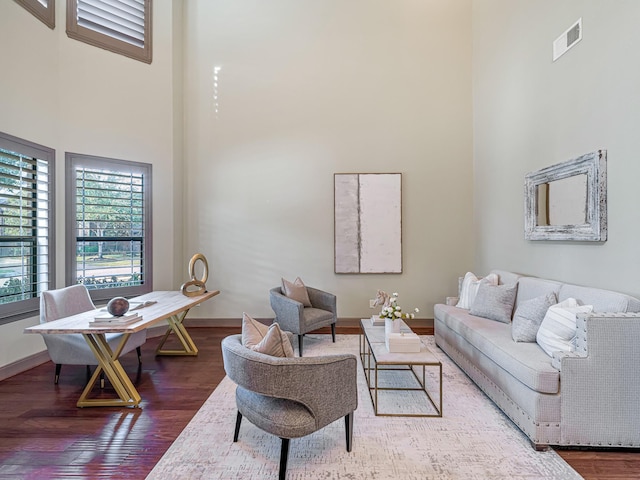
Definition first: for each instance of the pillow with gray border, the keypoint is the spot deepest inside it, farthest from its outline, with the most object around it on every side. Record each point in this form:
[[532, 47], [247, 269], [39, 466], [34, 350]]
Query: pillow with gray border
[[529, 316], [495, 302]]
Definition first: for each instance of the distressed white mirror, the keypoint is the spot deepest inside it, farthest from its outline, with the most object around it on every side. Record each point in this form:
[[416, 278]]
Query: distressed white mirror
[[568, 201]]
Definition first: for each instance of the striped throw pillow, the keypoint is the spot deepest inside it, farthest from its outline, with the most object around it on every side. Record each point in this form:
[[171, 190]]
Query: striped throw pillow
[[558, 329], [469, 288]]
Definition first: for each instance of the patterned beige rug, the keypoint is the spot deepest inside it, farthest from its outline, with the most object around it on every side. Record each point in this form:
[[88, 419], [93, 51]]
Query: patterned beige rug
[[473, 439]]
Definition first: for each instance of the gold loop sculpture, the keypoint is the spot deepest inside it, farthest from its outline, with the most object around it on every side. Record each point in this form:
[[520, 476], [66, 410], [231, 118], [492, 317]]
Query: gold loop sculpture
[[187, 288]]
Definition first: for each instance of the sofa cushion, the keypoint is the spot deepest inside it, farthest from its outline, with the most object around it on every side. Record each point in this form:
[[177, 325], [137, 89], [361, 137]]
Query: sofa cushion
[[469, 288], [495, 302], [602, 300], [532, 287], [529, 316], [506, 278], [558, 329], [527, 362]]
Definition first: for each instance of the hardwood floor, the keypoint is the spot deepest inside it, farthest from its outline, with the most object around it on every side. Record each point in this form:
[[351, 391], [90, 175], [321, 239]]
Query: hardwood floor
[[44, 436]]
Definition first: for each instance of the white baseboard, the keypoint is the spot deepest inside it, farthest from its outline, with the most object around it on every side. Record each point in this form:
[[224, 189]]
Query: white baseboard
[[23, 364], [41, 357]]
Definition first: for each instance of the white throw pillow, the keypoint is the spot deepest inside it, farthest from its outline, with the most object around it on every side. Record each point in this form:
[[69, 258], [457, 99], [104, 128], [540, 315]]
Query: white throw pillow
[[469, 288], [557, 332]]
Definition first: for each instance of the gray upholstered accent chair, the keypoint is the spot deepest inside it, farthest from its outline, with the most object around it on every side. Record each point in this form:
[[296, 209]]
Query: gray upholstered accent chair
[[72, 349], [294, 317], [291, 397]]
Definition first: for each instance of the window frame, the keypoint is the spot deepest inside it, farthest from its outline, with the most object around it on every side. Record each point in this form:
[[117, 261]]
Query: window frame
[[11, 312], [107, 42], [74, 160], [46, 14]]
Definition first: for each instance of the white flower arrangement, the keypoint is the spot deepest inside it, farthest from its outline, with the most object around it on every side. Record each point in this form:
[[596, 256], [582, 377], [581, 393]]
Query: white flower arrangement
[[394, 311]]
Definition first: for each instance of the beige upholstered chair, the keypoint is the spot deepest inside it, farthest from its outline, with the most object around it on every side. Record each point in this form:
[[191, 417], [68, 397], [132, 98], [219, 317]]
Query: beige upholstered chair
[[291, 397], [72, 349]]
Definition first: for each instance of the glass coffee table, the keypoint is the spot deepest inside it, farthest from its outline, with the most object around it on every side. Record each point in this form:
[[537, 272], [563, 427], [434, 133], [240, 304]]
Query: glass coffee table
[[402, 373]]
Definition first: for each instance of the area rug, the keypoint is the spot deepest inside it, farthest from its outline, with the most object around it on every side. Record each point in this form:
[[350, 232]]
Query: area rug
[[473, 439]]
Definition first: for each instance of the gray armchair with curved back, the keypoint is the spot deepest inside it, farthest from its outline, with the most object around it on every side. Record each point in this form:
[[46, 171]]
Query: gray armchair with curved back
[[291, 397], [295, 317]]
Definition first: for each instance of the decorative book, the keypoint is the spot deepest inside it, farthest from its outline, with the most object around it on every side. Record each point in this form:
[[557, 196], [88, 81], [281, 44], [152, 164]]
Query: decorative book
[[376, 321], [108, 320]]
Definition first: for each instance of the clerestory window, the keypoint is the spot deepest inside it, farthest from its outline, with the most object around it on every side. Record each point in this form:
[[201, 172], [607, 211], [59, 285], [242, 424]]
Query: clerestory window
[[108, 226], [43, 10], [121, 26], [26, 226]]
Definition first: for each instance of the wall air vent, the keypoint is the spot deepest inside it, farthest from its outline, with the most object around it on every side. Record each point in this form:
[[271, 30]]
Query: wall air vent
[[567, 40]]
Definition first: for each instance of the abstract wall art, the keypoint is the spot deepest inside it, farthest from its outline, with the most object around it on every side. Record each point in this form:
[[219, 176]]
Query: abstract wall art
[[368, 222]]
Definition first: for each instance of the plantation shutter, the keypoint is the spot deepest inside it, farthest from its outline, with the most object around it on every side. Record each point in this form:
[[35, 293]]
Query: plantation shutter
[[25, 205], [110, 228], [43, 10], [122, 26]]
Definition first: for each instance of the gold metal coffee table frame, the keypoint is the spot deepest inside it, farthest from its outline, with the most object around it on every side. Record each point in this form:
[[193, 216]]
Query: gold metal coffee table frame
[[375, 357]]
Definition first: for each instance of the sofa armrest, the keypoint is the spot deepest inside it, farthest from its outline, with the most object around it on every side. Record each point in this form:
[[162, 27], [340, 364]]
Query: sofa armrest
[[451, 301], [600, 384], [556, 360], [288, 311]]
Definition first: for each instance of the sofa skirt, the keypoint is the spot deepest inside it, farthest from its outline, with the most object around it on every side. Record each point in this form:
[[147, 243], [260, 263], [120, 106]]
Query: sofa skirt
[[537, 414]]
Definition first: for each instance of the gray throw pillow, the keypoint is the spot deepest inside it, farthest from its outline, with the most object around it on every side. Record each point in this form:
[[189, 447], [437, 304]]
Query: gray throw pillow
[[529, 316], [495, 302]]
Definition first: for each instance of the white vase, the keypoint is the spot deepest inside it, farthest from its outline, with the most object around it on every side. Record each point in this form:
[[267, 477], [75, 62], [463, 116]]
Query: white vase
[[391, 326]]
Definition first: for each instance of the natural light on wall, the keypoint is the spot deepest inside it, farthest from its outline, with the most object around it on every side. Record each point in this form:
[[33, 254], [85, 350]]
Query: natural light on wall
[[216, 76]]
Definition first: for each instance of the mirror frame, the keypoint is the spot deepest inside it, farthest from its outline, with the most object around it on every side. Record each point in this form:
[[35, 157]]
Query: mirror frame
[[594, 165]]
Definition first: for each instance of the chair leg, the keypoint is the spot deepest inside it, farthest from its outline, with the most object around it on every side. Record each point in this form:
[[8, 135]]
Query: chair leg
[[56, 377], [348, 423], [237, 432], [284, 454], [102, 379], [139, 354], [300, 344], [333, 332]]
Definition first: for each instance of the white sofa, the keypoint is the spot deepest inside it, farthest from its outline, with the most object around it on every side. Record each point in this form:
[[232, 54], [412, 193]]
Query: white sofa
[[589, 397]]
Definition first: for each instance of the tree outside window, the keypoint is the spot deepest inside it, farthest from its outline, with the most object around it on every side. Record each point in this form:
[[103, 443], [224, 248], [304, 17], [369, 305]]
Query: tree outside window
[[109, 229]]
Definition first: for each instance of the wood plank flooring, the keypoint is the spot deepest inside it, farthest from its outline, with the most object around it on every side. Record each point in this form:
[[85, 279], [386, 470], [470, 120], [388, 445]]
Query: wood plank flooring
[[44, 436]]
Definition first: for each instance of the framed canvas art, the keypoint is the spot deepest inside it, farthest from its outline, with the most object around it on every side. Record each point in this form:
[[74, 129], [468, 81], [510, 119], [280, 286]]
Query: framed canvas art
[[368, 222]]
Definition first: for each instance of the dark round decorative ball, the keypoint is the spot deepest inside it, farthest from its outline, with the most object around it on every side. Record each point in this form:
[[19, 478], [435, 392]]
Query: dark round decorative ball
[[118, 306]]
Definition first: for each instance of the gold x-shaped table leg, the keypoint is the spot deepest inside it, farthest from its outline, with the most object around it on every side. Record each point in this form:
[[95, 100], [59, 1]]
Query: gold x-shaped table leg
[[109, 363], [176, 326]]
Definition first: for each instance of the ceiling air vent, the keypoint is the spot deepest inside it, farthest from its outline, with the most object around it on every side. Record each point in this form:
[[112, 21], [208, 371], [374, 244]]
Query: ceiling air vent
[[567, 40]]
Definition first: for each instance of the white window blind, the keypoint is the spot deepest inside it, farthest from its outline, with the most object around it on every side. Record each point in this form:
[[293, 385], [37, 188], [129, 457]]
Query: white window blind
[[122, 26], [25, 231], [108, 226], [121, 19]]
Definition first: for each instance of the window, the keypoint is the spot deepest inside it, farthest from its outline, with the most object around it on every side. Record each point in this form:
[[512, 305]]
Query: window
[[43, 10], [121, 26], [108, 226], [26, 226]]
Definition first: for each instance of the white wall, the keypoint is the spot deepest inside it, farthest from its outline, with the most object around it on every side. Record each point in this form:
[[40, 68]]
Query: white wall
[[307, 89], [74, 97], [530, 112]]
